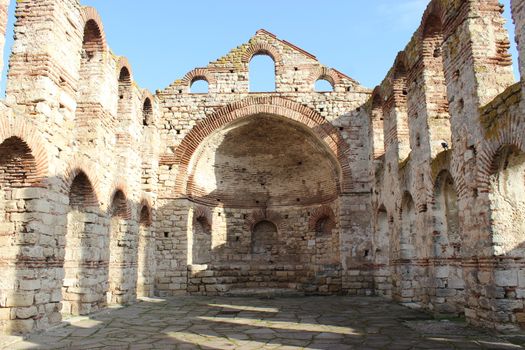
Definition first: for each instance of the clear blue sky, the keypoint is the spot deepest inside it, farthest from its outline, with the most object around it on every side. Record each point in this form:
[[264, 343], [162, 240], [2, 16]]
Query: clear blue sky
[[166, 40]]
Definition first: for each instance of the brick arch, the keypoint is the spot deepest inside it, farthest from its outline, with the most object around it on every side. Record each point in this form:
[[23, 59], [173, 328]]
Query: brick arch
[[404, 198], [148, 116], [376, 99], [261, 48], [202, 212], [434, 11], [326, 132], [443, 162], [124, 63], [324, 73], [146, 94], [145, 204], [438, 180], [487, 159], [381, 208], [91, 14], [198, 74], [75, 167], [321, 213], [400, 66], [120, 187], [19, 128], [260, 215]]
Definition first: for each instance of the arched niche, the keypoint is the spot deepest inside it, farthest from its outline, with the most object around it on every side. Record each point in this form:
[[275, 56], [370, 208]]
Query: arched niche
[[145, 253], [274, 152], [84, 251], [264, 242], [507, 203], [202, 241], [122, 252]]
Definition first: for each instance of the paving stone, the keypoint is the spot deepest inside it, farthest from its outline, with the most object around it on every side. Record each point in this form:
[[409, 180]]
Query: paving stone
[[144, 327]]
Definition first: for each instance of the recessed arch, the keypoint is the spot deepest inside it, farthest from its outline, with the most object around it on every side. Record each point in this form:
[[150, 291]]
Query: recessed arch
[[119, 205], [122, 279], [320, 213], [147, 112], [507, 205], [92, 41], [400, 93], [264, 241], [124, 72], [125, 81], [382, 237], [308, 118], [377, 124], [432, 19], [17, 129], [446, 246], [201, 239], [76, 166], [145, 217], [17, 164], [145, 250], [446, 214], [94, 28], [407, 239], [276, 151], [82, 194], [82, 257]]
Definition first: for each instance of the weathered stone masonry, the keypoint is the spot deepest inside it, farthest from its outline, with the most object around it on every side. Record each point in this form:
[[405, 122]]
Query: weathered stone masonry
[[412, 190]]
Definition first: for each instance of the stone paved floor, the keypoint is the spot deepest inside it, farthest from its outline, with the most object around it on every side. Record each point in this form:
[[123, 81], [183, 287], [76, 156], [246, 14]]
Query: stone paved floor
[[253, 323]]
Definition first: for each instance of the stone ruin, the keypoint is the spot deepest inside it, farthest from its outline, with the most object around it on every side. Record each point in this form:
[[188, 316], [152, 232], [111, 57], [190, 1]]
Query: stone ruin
[[413, 190]]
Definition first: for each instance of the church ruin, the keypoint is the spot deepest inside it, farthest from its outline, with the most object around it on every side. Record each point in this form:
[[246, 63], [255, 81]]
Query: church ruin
[[413, 190]]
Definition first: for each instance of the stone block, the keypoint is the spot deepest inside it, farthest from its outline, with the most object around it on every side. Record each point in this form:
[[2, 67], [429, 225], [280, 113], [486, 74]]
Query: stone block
[[506, 278], [26, 312], [20, 299]]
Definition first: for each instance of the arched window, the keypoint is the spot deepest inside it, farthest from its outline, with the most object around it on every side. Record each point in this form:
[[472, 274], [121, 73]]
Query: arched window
[[147, 112], [323, 85], [199, 86], [264, 241], [262, 73]]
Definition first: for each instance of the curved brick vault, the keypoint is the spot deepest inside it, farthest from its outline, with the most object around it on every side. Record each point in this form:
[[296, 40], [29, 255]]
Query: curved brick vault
[[278, 106]]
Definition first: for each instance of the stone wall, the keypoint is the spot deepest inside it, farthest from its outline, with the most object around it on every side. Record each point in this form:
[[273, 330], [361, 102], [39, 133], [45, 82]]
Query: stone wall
[[411, 190], [450, 101]]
